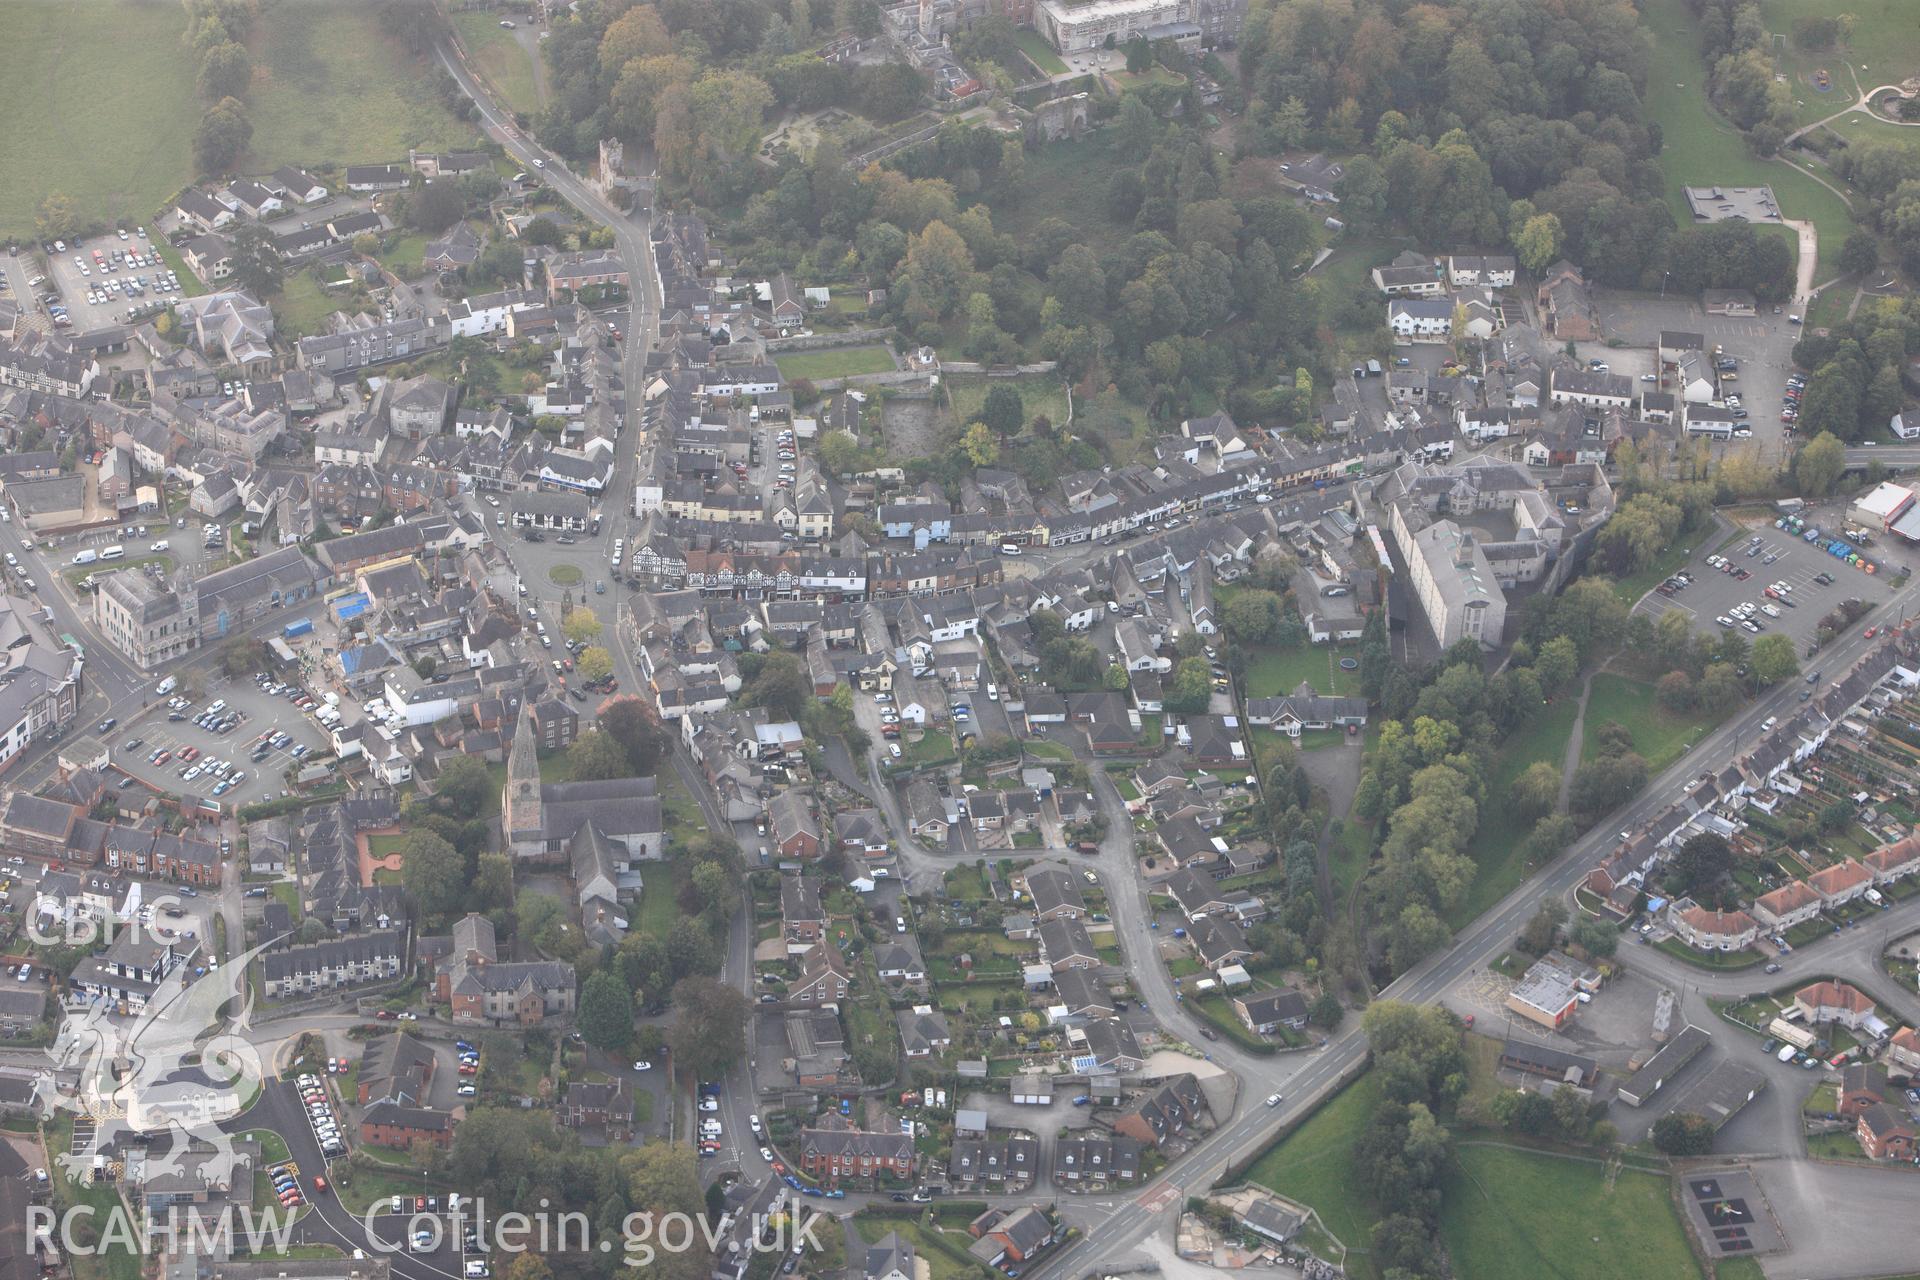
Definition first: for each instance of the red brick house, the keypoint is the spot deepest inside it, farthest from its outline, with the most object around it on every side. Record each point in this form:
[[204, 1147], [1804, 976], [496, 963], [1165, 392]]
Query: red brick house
[[1862, 1085], [388, 1124], [829, 1155], [1885, 1133]]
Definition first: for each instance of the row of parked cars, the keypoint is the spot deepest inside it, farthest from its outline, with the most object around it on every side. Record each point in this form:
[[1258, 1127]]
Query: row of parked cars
[[320, 1114]]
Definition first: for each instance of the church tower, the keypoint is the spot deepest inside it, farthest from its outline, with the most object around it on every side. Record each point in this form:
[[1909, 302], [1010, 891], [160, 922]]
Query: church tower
[[520, 811]]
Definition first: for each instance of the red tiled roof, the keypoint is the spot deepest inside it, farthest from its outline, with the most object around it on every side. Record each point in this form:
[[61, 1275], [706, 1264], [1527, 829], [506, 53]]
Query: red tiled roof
[[1833, 995], [1788, 897], [1839, 878], [1719, 923]]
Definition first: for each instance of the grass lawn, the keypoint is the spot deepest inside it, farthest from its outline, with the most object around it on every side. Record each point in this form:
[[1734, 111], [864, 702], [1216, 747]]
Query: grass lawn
[[1274, 672], [189, 283], [303, 306], [288, 894], [835, 362], [1314, 1164], [502, 59], [1040, 52], [1510, 1214], [556, 766], [1128, 80], [1631, 588], [1039, 395], [331, 87], [941, 1265], [386, 846], [1496, 847], [1348, 855], [1658, 734], [1700, 148], [103, 108], [659, 902], [404, 251]]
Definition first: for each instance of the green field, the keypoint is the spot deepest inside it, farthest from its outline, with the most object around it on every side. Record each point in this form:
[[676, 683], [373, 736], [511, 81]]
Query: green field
[[1522, 1215], [1038, 396], [103, 107], [1658, 734], [1700, 148], [1885, 41], [1496, 847], [1314, 1164], [835, 362], [504, 61], [332, 88], [1040, 51]]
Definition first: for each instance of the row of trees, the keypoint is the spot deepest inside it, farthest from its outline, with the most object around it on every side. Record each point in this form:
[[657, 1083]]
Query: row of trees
[[215, 33]]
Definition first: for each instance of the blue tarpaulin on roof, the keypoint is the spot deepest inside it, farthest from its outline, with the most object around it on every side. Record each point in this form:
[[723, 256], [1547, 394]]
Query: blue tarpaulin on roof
[[347, 606]]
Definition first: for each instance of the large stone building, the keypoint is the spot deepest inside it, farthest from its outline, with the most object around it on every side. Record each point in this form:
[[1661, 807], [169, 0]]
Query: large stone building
[[152, 624], [542, 820], [39, 678], [1078, 28]]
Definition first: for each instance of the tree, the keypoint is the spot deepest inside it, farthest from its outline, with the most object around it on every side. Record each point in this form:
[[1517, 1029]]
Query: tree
[[223, 136], [1537, 937], [936, 273], [1681, 1133], [437, 205], [1556, 663], [1254, 616], [1135, 129], [1594, 937], [606, 1011], [433, 872], [1003, 411], [1417, 933], [581, 626], [781, 687], [980, 445], [709, 1027], [1537, 789], [1139, 55], [637, 33], [225, 71], [492, 881], [593, 663], [1818, 465], [595, 756], [1860, 253], [56, 217], [1701, 863], [1538, 241], [1774, 659], [1192, 687], [464, 785], [632, 724]]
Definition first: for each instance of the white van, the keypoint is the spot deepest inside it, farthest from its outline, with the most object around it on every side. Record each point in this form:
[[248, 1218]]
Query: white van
[[114, 552], [86, 557], [166, 687]]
